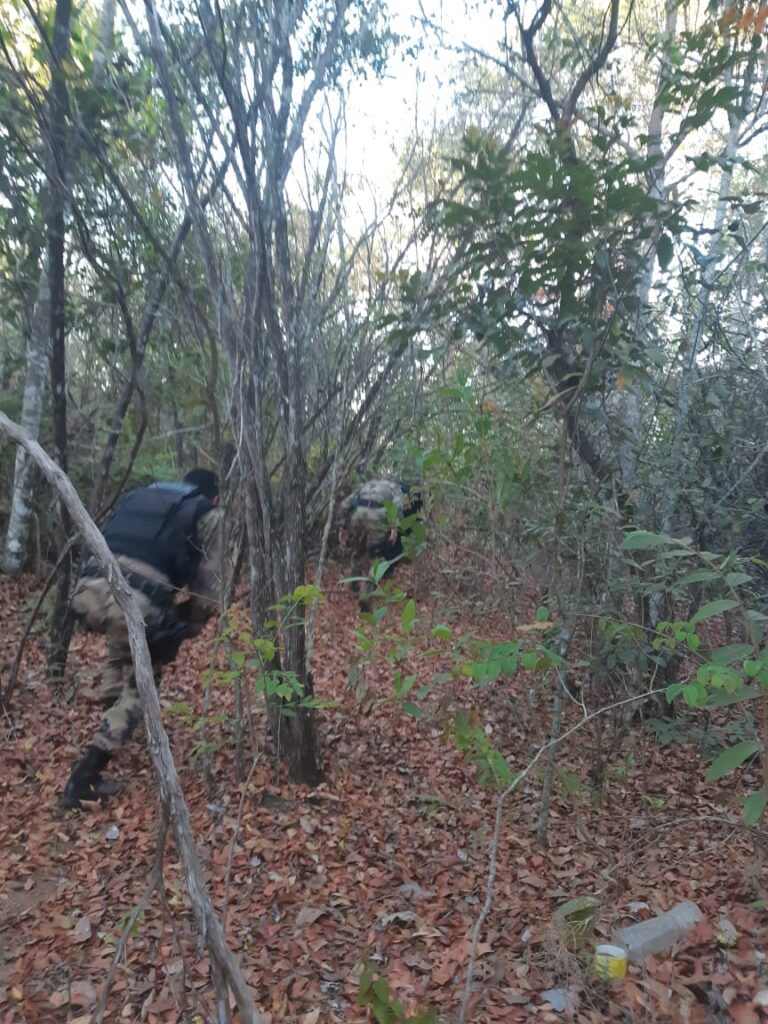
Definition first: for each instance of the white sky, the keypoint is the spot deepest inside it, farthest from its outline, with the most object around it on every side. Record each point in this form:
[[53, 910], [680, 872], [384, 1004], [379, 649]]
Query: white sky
[[415, 91]]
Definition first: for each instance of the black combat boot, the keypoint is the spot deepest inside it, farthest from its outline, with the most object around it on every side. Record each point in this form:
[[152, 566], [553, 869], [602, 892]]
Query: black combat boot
[[85, 782]]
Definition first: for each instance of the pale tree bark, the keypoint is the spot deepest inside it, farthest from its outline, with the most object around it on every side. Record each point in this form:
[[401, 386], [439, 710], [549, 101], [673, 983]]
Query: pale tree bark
[[169, 786], [38, 343], [58, 138], [697, 326], [631, 399], [35, 380]]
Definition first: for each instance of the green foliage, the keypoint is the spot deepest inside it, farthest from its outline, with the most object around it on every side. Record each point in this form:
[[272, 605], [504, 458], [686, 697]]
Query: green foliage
[[373, 992], [731, 759], [491, 765], [754, 806], [254, 660]]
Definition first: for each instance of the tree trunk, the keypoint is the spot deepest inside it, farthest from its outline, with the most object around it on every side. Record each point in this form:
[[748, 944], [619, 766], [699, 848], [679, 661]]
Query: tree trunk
[[298, 737], [58, 137], [630, 399], [15, 548], [696, 330]]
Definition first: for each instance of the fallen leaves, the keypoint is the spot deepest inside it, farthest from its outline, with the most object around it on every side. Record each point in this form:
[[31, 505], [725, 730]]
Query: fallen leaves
[[386, 861]]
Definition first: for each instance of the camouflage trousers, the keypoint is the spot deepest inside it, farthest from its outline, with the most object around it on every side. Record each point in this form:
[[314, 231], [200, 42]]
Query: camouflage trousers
[[367, 534], [96, 608]]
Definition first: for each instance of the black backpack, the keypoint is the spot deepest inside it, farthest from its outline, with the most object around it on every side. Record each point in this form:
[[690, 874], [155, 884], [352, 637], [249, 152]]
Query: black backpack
[[158, 525]]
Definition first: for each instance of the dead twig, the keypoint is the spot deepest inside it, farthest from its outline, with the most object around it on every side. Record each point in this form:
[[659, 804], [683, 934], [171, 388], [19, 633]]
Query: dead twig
[[233, 840], [494, 848], [155, 876], [6, 695]]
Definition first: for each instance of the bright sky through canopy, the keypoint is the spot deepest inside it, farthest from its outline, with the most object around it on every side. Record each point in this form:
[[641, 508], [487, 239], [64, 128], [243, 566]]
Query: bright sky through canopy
[[416, 91]]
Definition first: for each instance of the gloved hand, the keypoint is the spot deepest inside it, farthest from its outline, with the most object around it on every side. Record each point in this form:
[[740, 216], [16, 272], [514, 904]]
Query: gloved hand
[[191, 612], [165, 634]]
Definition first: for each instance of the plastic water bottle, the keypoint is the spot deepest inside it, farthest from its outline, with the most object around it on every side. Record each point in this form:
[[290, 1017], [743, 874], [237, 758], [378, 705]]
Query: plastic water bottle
[[659, 933]]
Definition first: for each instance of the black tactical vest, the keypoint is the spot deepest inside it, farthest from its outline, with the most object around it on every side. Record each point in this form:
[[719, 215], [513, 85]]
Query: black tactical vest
[[158, 525]]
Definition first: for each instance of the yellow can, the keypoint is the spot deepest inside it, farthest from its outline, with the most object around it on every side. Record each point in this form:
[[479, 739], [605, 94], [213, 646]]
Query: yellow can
[[610, 962]]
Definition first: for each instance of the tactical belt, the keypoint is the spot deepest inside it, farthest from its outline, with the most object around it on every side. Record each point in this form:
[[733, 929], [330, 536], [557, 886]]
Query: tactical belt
[[158, 593]]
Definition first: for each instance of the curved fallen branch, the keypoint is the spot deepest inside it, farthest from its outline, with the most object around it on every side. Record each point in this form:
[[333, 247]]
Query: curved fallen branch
[[171, 796]]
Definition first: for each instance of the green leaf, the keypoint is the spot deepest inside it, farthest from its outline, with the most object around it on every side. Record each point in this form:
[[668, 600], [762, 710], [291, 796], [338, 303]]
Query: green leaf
[[722, 698], [379, 570], [754, 805], [727, 655], [529, 660], [412, 709], [642, 540], [179, 707], [664, 251], [364, 985], [306, 593], [404, 686], [408, 616], [700, 576], [736, 579], [731, 759], [441, 632], [713, 608], [381, 989]]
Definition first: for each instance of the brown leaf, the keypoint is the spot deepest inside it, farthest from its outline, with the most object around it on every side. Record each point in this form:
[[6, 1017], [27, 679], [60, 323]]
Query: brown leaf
[[743, 1013], [82, 993], [59, 998], [446, 969], [308, 915], [82, 930]]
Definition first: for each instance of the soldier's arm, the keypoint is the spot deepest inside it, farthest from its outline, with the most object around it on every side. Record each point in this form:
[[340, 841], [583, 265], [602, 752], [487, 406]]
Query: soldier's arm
[[343, 513], [205, 584]]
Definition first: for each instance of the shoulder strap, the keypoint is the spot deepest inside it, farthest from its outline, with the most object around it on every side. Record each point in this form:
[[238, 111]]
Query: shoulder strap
[[189, 491]]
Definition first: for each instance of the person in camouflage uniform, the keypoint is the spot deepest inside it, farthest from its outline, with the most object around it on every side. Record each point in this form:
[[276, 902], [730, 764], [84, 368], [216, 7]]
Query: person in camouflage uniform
[[166, 537], [367, 534]]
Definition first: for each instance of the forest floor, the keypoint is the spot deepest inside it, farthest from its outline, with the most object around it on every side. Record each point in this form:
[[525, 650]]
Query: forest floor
[[386, 861]]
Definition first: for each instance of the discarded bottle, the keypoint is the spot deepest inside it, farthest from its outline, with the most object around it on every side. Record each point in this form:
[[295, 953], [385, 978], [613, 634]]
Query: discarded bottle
[[654, 936]]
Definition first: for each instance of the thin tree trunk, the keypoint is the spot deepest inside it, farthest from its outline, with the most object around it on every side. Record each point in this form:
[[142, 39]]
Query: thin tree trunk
[[696, 331], [57, 180], [549, 771], [631, 399], [36, 376]]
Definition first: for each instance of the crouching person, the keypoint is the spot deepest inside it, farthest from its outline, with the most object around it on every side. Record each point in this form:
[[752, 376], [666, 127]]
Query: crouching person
[[367, 532], [166, 537]]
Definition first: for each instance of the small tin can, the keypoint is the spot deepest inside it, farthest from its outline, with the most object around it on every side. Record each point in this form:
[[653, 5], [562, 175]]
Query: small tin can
[[610, 962]]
